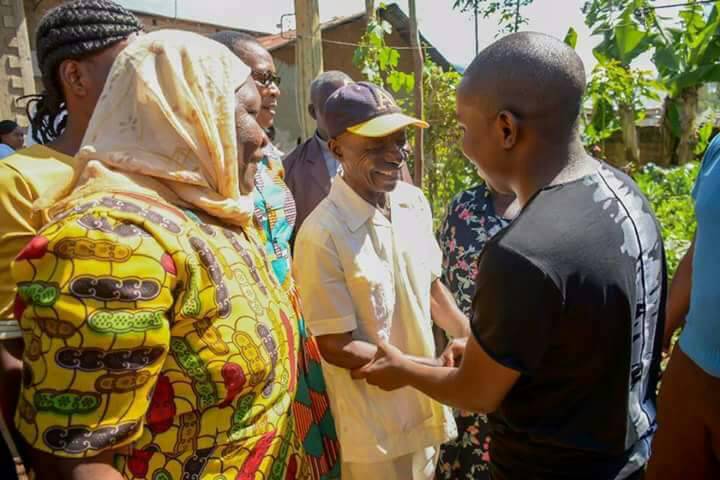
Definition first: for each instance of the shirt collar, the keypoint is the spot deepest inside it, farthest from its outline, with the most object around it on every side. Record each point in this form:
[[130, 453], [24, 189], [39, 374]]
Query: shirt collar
[[323, 144], [354, 209]]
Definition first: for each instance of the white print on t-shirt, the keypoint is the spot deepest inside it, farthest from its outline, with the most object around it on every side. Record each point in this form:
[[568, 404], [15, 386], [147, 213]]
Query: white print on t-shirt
[[642, 242]]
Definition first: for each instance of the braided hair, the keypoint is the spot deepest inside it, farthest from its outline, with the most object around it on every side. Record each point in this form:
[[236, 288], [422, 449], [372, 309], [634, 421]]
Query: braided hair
[[72, 31]]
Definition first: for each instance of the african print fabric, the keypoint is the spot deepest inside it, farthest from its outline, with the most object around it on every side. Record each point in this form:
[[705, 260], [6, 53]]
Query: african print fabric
[[170, 338], [275, 215], [275, 218], [470, 222]]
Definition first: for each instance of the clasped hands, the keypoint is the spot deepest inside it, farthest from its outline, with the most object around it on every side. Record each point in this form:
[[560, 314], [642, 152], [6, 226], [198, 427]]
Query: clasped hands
[[391, 369]]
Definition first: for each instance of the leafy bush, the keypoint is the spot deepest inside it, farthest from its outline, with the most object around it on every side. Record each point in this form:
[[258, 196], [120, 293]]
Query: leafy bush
[[668, 190]]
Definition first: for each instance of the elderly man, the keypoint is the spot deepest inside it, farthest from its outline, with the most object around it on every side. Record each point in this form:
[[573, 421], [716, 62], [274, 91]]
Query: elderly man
[[311, 167], [367, 267]]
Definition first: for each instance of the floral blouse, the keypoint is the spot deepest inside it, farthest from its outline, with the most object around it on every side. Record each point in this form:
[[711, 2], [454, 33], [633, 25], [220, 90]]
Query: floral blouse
[[470, 222]]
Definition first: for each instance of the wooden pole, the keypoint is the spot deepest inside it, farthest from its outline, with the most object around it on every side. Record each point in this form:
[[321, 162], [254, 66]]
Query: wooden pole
[[308, 58], [370, 9], [476, 7], [418, 70]]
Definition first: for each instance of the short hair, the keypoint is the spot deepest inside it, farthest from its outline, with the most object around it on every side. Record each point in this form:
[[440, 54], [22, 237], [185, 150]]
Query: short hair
[[532, 73], [72, 31], [7, 126], [324, 83], [237, 42]]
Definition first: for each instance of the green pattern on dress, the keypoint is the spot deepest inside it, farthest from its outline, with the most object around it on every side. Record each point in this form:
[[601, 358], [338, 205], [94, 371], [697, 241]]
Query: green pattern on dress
[[66, 403], [124, 321], [190, 362], [41, 294]]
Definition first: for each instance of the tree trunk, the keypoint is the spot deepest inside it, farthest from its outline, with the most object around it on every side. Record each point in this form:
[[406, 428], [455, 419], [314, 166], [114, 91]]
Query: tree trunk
[[629, 134], [688, 116], [669, 142]]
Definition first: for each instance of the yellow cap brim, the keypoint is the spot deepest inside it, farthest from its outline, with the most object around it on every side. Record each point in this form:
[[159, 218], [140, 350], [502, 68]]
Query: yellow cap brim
[[384, 125]]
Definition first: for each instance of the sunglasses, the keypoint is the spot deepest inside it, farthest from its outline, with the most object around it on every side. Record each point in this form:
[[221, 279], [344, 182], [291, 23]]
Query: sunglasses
[[266, 79]]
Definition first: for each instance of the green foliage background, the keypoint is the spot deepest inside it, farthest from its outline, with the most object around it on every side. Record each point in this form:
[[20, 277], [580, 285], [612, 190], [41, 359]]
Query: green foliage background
[[669, 192], [448, 172]]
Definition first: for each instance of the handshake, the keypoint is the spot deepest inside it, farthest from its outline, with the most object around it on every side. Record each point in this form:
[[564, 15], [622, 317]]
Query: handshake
[[391, 369]]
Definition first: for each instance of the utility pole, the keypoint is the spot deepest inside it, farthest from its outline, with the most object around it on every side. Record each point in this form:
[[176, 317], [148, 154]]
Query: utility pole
[[517, 15], [308, 58], [370, 9], [418, 69], [476, 7]]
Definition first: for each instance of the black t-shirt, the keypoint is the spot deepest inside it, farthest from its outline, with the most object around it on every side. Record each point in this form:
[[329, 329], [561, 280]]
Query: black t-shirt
[[572, 296]]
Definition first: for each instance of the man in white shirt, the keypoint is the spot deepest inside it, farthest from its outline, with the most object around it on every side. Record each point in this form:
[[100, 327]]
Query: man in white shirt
[[368, 267], [311, 167]]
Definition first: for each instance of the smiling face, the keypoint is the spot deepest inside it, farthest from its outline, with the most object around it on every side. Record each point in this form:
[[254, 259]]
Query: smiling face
[[250, 137], [371, 166], [263, 70]]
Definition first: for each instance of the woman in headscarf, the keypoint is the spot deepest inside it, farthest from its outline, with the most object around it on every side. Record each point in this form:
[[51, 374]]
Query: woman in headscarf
[[159, 344]]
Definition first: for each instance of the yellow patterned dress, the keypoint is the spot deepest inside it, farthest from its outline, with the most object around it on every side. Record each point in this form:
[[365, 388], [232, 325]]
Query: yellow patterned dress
[[161, 337]]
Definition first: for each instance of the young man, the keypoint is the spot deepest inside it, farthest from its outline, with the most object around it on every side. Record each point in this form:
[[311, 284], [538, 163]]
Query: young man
[[567, 315], [367, 266], [77, 43], [687, 444]]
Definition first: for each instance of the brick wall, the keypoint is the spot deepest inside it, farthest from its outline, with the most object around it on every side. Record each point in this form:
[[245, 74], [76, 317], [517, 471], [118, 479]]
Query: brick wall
[[15, 62]]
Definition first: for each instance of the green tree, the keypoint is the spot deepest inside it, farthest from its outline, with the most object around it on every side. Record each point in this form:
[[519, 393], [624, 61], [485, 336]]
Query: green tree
[[685, 53], [617, 94], [616, 89], [686, 57], [447, 171], [668, 190], [511, 18], [377, 61]]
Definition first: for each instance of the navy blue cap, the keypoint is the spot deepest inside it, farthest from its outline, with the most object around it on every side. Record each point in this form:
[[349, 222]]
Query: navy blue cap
[[367, 110]]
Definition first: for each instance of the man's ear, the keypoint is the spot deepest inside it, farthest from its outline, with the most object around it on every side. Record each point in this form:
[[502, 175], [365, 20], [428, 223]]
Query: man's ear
[[336, 149], [311, 111], [508, 126], [73, 78]]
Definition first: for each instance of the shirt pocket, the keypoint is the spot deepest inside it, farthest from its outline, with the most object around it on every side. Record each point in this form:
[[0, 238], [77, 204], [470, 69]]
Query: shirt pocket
[[371, 285]]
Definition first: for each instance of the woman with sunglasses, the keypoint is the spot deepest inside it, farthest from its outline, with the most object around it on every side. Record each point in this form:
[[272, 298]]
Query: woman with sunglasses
[[275, 216]]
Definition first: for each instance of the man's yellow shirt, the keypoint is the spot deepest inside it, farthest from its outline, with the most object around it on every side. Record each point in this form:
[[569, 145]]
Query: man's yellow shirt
[[24, 176]]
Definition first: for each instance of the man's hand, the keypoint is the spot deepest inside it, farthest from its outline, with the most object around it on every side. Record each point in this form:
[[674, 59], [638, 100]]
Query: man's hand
[[454, 352], [388, 370]]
